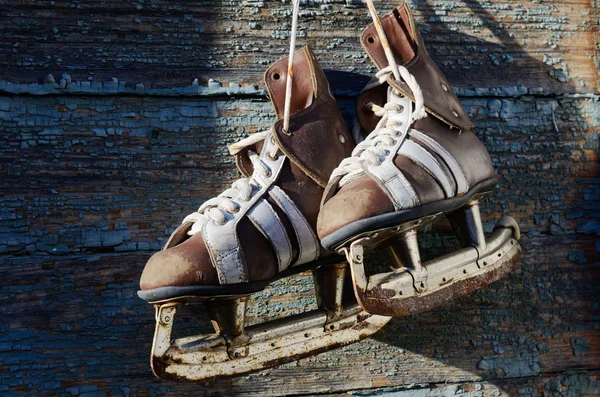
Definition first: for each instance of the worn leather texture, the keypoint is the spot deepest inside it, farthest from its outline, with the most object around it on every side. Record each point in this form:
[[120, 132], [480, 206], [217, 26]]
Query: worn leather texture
[[188, 263], [318, 139], [465, 147], [314, 149], [367, 119], [440, 99]]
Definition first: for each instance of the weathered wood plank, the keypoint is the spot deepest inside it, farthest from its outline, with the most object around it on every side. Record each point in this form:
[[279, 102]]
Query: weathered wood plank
[[547, 46], [94, 179], [118, 174], [74, 322]]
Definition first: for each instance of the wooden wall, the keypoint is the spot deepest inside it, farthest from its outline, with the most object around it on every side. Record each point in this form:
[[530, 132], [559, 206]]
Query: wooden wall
[[114, 117]]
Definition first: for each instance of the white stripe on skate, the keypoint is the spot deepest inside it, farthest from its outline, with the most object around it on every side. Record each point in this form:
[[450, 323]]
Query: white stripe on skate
[[388, 176], [308, 244], [423, 158], [222, 241], [264, 217], [458, 173], [225, 253]]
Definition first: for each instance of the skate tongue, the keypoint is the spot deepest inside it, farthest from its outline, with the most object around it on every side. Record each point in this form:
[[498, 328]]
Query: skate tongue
[[303, 85], [398, 30], [304, 90]]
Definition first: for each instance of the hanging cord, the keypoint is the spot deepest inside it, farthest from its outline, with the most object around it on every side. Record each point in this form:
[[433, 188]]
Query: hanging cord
[[290, 72]]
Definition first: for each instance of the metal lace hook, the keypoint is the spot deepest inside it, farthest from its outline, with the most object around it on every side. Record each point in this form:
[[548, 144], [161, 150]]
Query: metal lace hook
[[290, 72]]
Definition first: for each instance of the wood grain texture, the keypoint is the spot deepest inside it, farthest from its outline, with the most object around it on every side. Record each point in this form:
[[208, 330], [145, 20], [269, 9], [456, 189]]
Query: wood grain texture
[[542, 45], [99, 164]]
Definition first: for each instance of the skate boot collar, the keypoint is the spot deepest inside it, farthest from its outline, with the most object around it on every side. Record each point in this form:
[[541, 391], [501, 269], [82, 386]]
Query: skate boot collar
[[409, 50], [311, 142]]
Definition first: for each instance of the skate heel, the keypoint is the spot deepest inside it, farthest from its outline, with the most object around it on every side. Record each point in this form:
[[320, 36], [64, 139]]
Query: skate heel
[[236, 349], [412, 287]]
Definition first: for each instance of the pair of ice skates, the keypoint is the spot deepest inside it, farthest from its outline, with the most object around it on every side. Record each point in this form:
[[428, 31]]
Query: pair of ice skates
[[310, 193]]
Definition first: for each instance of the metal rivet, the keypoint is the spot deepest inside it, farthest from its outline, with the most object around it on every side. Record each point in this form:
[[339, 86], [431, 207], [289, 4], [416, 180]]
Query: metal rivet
[[454, 113], [341, 138], [444, 87]]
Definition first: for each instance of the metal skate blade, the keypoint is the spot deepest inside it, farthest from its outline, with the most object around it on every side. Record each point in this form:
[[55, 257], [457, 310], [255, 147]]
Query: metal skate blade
[[207, 357], [405, 291]]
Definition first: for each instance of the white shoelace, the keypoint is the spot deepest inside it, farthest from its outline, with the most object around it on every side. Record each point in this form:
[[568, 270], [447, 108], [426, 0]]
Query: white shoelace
[[243, 189], [387, 131]]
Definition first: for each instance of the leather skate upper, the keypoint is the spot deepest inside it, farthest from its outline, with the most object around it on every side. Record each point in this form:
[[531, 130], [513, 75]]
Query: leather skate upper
[[441, 157], [409, 50], [291, 202]]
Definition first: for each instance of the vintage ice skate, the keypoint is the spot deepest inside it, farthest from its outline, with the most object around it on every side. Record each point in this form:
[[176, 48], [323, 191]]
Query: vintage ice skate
[[259, 230], [421, 161]]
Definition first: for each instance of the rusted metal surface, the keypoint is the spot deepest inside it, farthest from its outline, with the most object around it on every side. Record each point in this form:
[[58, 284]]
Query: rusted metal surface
[[235, 349], [261, 346], [412, 288], [94, 179]]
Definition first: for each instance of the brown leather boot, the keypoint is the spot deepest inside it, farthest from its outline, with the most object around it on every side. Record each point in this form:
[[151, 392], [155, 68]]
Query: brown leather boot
[[420, 160], [263, 227], [409, 165]]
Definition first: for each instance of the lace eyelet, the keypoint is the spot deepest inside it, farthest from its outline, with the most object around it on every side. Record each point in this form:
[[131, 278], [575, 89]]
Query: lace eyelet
[[268, 174], [399, 108], [273, 140], [236, 210], [274, 158]]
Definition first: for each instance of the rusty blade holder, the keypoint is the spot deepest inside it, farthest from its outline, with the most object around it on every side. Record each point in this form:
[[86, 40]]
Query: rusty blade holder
[[413, 287], [235, 350]]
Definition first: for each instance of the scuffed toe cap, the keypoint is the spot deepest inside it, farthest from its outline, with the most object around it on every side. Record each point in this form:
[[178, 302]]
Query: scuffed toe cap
[[360, 199], [187, 264]]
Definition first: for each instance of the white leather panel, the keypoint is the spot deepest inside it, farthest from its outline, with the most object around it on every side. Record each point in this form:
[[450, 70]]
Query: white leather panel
[[422, 157], [267, 221], [457, 172], [222, 241], [389, 177], [308, 244]]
